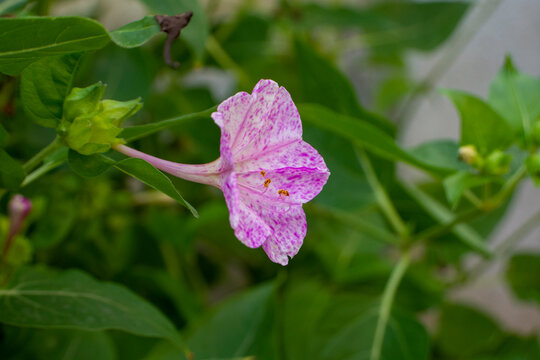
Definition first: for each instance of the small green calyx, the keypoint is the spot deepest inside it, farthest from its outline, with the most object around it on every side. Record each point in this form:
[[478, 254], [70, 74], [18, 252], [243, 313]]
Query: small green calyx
[[91, 125], [533, 167], [497, 163]]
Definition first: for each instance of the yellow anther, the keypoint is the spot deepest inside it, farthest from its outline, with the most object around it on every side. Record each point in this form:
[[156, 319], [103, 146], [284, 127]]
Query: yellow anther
[[263, 173], [283, 192], [267, 182]]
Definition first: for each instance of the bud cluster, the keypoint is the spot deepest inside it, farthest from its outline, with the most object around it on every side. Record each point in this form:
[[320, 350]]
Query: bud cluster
[[496, 163], [91, 125]]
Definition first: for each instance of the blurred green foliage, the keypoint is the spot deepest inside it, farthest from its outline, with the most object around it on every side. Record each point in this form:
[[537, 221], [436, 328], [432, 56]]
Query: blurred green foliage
[[110, 265]]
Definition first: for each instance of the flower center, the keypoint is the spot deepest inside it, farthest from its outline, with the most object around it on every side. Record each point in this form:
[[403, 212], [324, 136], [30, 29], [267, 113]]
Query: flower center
[[267, 181], [283, 192]]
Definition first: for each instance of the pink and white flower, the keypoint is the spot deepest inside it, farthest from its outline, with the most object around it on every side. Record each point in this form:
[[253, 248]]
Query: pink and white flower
[[266, 171]]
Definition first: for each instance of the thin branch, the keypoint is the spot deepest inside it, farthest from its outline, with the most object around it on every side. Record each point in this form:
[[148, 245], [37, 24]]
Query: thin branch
[[386, 205], [386, 304]]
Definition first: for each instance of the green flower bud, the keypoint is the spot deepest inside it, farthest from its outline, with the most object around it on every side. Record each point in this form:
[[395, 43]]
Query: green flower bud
[[92, 125], [469, 155], [83, 101], [497, 163], [533, 166]]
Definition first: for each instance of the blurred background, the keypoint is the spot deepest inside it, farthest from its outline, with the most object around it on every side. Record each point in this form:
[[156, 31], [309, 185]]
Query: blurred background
[[391, 57]]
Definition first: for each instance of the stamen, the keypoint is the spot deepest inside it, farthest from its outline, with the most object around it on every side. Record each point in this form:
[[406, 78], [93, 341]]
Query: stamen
[[267, 182], [283, 192], [263, 173]]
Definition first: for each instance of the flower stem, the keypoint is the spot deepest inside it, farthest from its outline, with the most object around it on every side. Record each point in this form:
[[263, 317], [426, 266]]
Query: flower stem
[[508, 187], [441, 229], [203, 174], [386, 304], [381, 196], [40, 156], [42, 170]]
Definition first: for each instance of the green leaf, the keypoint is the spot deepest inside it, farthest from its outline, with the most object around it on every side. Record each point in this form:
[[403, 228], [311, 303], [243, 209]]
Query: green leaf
[[439, 153], [89, 165], [481, 126], [139, 131], [237, 328], [19, 45], [338, 94], [136, 33], [57, 219], [96, 164], [330, 87], [393, 25], [72, 299], [522, 274], [198, 29], [165, 351], [45, 85], [360, 133], [515, 348], [416, 25], [3, 135], [304, 304], [146, 173], [465, 332], [444, 216], [405, 339], [26, 343], [11, 172], [321, 325], [456, 184], [515, 96], [248, 39]]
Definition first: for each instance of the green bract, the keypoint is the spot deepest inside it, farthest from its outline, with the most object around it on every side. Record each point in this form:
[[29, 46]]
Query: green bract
[[91, 125], [498, 163]]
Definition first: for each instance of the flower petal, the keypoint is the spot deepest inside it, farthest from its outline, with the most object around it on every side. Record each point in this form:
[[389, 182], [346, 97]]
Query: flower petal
[[231, 114], [299, 184], [289, 230], [296, 168], [294, 154], [256, 122], [248, 227], [266, 127]]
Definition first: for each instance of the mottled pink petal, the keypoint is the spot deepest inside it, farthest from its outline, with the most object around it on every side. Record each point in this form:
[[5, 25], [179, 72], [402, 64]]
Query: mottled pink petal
[[295, 167], [231, 114], [262, 101], [278, 125], [289, 230], [248, 227], [296, 154], [302, 185]]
